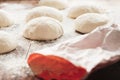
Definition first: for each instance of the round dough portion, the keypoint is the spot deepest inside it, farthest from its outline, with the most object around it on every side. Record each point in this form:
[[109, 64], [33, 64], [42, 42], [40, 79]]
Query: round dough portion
[[59, 4], [89, 21], [78, 10], [43, 28], [5, 20], [7, 42], [44, 11]]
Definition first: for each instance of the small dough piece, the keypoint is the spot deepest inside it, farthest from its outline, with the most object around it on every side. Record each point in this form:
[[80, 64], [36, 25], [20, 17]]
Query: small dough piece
[[78, 10], [44, 11], [89, 21], [59, 4], [5, 20], [43, 28], [7, 42]]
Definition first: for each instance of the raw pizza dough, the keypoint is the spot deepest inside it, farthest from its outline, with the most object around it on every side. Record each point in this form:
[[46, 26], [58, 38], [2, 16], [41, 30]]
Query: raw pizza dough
[[83, 49], [7, 42], [5, 20], [59, 4], [89, 21], [78, 10], [44, 11], [43, 28]]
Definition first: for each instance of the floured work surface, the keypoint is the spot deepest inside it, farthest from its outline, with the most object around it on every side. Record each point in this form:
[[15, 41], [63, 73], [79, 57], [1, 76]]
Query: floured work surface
[[13, 65]]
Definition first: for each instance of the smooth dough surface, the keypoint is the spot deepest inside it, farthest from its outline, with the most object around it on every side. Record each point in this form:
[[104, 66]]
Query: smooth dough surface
[[89, 21], [78, 10], [44, 11], [59, 4], [5, 20], [7, 42], [43, 28]]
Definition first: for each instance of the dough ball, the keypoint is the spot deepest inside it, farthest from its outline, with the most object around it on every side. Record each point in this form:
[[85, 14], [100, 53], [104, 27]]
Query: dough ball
[[89, 21], [59, 4], [5, 20], [7, 42], [43, 28], [44, 11], [78, 10]]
